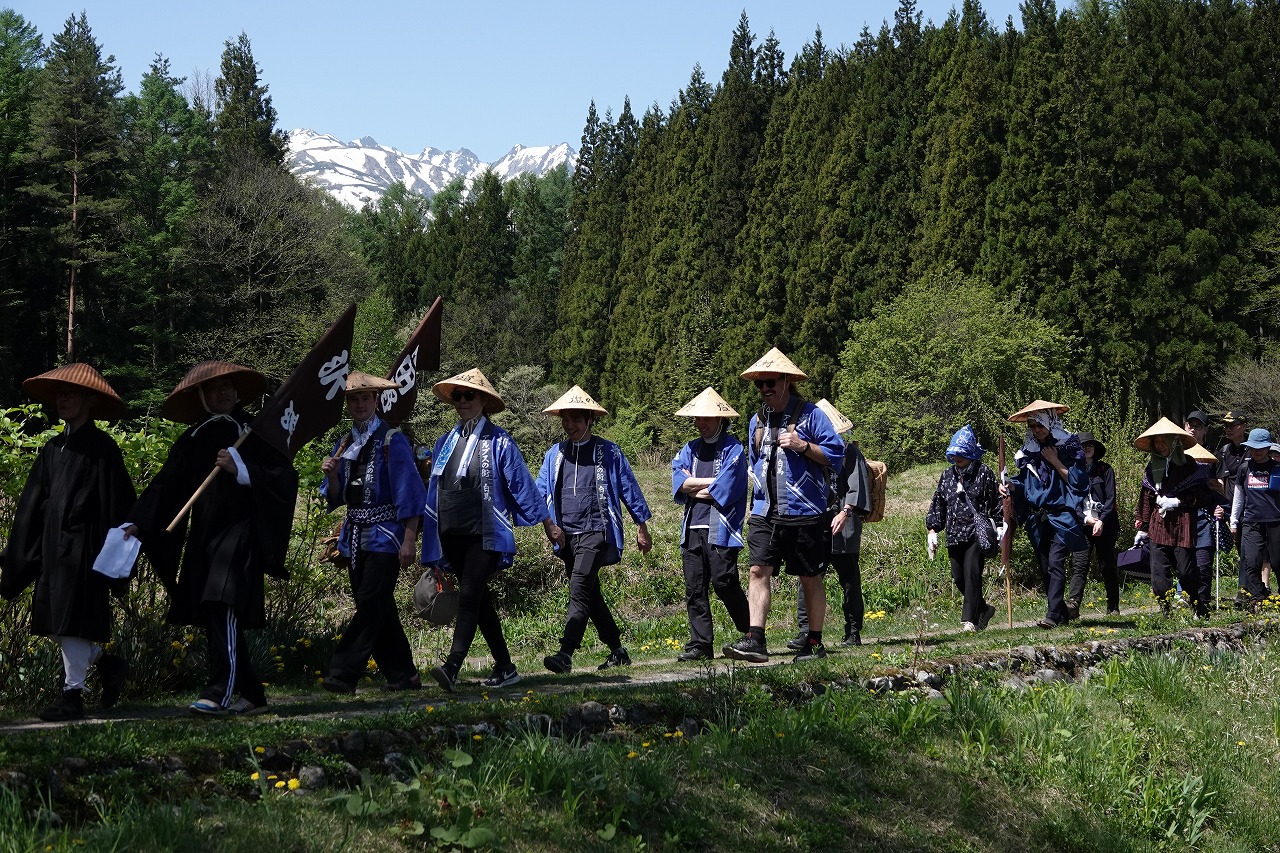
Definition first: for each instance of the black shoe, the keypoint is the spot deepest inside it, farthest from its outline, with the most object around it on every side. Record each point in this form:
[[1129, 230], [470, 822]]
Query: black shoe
[[799, 641], [747, 649], [694, 653], [617, 657], [559, 663], [336, 685], [68, 706], [445, 676], [984, 618], [1047, 623], [113, 670], [504, 677], [1073, 608], [853, 638], [811, 651], [413, 682]]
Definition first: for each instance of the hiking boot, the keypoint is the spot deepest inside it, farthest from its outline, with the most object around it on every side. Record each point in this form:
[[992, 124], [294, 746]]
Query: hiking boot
[[694, 653], [853, 638], [445, 676], [799, 641], [242, 707], [413, 682], [752, 651], [1073, 608], [68, 706], [810, 652], [984, 618], [113, 670], [504, 677], [336, 685], [1047, 624], [617, 657], [559, 663]]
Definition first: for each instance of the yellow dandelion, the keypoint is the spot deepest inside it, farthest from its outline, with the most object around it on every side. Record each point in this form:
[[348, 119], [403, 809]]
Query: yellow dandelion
[[431, 709], [477, 737], [294, 784], [633, 754], [778, 734], [280, 784], [645, 744], [254, 776], [666, 734], [259, 749], [679, 734]]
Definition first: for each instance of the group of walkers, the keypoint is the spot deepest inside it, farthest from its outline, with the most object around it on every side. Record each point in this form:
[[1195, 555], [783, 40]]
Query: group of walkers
[[801, 490]]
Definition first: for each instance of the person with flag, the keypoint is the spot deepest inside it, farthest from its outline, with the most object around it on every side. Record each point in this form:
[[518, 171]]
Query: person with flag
[[373, 473], [77, 490], [214, 567], [479, 490]]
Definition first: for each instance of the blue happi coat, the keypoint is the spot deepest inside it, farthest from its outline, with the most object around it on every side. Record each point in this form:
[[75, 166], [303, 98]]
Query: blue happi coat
[[1043, 495], [390, 478], [728, 490], [802, 483], [506, 487], [615, 485]]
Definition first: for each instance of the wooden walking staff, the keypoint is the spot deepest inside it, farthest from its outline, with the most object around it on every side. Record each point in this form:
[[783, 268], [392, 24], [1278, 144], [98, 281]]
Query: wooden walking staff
[[1006, 540], [191, 501]]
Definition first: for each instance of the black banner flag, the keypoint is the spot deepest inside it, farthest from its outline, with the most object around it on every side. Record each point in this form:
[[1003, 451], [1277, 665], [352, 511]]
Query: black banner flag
[[420, 355]]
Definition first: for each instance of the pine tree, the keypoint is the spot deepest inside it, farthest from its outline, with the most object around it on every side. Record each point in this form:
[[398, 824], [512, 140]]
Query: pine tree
[[394, 244], [245, 118]]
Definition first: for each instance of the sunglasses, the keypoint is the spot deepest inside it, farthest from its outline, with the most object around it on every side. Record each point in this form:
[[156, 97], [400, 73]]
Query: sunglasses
[[766, 383], [458, 395]]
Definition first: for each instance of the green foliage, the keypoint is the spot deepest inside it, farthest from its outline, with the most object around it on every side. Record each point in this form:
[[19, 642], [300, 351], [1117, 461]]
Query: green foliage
[[245, 118]]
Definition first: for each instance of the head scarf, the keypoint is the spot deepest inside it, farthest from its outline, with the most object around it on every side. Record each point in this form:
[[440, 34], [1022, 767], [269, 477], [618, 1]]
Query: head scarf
[[965, 445], [1160, 465], [1051, 421]]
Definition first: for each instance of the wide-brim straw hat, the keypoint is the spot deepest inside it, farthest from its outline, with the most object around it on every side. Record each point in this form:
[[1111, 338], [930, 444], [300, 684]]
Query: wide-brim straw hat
[[106, 403], [184, 404], [358, 380], [771, 364], [839, 421], [1200, 453], [476, 381], [1164, 427], [1031, 408], [708, 404], [575, 400]]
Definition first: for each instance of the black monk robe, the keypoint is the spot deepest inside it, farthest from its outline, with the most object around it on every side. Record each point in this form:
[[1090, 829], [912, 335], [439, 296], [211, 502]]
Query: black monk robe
[[77, 491], [234, 534]]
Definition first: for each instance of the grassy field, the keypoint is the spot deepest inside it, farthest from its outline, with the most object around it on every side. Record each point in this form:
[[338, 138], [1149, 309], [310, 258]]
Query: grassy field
[[1171, 751]]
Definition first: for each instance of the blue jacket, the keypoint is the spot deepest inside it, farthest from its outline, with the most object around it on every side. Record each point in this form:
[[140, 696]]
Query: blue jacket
[[618, 485], [394, 480], [508, 489], [802, 481], [728, 490], [1044, 496]]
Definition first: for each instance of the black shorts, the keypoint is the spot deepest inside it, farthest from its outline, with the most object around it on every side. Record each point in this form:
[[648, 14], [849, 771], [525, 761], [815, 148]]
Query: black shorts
[[798, 549]]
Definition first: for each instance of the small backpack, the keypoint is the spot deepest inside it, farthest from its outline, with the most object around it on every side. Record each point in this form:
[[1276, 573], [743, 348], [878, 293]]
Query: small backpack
[[435, 598], [878, 479]]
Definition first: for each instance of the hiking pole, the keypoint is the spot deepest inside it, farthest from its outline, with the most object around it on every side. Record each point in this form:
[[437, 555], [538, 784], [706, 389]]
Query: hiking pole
[[1006, 539], [1217, 555]]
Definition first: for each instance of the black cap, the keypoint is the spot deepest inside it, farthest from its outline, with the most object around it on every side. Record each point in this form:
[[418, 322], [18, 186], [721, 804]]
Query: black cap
[[1087, 438], [1198, 415], [1235, 416]]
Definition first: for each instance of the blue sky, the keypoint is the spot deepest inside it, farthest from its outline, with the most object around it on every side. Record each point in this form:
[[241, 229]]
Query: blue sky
[[480, 75]]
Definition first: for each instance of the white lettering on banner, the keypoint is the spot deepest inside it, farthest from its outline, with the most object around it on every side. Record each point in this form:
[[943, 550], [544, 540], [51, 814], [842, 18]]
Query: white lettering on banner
[[289, 420], [389, 398], [334, 374], [407, 372]]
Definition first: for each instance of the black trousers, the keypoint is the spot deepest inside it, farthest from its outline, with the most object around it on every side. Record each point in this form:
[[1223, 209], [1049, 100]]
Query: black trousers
[[852, 606], [1167, 559], [1104, 551], [1258, 542], [708, 567], [474, 566], [1204, 562], [230, 669], [375, 630], [966, 573], [583, 555]]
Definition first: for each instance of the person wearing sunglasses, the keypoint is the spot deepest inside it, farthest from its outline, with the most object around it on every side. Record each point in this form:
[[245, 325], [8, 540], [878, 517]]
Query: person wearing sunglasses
[[373, 472], [792, 446], [584, 481], [479, 489]]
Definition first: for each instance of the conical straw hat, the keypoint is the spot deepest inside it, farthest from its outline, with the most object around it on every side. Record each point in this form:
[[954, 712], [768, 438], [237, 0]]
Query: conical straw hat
[[474, 380], [1200, 453], [184, 403], [708, 404], [575, 400], [1166, 427], [105, 405], [358, 380], [771, 364], [839, 421], [1020, 416]]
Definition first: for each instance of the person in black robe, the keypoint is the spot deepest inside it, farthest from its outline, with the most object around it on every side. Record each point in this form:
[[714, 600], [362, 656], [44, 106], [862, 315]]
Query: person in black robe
[[77, 490], [237, 531]]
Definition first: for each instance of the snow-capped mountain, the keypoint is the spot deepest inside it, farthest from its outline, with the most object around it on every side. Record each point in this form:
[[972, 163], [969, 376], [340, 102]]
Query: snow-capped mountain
[[359, 172]]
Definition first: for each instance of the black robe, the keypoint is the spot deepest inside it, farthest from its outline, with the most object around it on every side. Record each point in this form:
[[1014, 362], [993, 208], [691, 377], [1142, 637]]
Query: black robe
[[234, 534], [78, 489]]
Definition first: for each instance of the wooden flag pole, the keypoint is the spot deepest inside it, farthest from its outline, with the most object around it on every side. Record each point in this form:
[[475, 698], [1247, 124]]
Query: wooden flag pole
[[198, 492]]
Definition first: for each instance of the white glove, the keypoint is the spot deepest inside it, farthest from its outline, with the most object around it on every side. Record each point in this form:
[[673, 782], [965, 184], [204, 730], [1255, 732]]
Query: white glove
[[1140, 538], [933, 544], [1001, 529], [1167, 504]]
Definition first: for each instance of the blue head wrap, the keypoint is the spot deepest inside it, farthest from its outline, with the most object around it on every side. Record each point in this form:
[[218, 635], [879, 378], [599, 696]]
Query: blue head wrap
[[964, 444]]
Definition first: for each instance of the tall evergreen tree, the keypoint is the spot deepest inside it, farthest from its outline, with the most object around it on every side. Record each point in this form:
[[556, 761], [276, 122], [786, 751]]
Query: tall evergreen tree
[[394, 244], [245, 118]]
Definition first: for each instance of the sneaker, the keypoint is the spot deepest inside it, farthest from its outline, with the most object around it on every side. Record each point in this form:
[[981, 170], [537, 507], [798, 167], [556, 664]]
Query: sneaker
[[984, 618], [617, 657], [968, 627], [113, 670], [799, 641], [559, 663], [336, 685], [694, 653], [444, 676], [811, 651], [69, 706], [413, 682], [504, 677], [242, 707], [207, 708], [747, 649], [1047, 623], [853, 638]]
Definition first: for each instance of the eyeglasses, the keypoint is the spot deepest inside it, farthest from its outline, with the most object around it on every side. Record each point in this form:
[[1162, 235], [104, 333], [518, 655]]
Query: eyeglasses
[[458, 395], [766, 383]]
